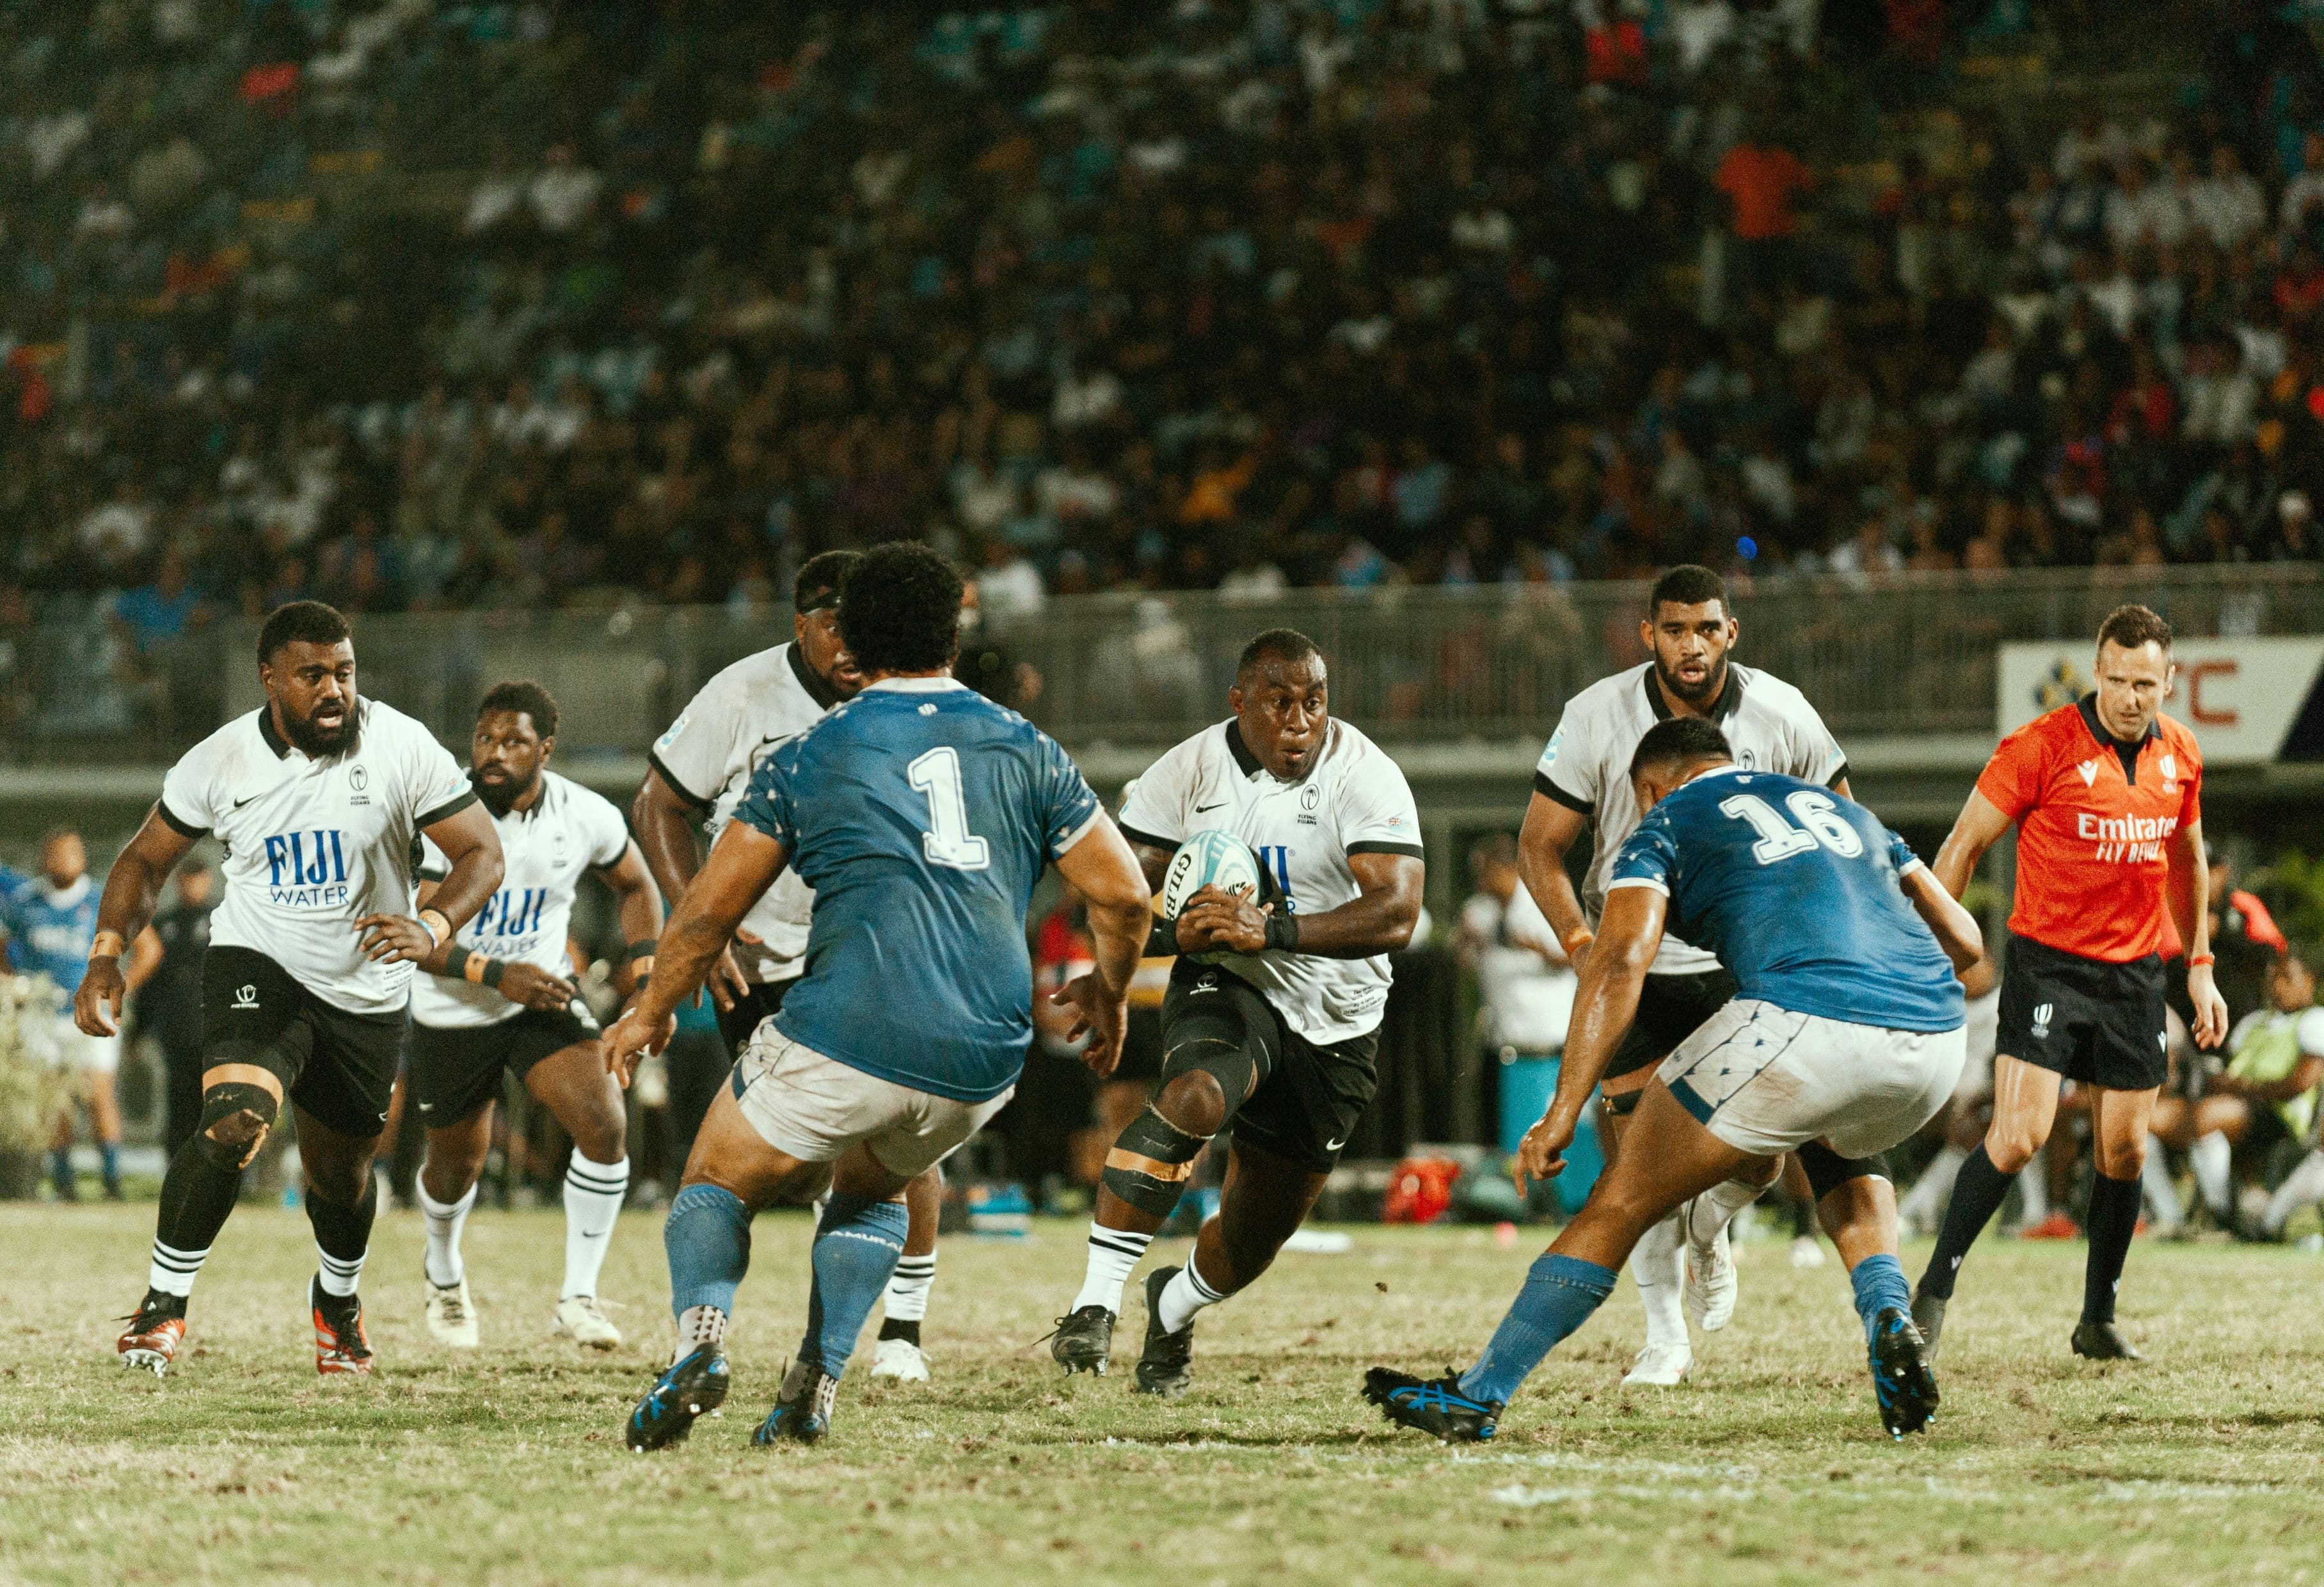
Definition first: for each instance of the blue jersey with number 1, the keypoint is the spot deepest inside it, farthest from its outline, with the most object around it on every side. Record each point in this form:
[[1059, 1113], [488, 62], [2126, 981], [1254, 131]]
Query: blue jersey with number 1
[[1797, 891], [922, 815], [50, 929]]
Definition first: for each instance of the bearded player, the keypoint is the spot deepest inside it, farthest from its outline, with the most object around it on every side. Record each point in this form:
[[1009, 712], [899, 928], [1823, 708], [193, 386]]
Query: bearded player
[[505, 1005], [320, 798], [1279, 1040], [1680, 1265]]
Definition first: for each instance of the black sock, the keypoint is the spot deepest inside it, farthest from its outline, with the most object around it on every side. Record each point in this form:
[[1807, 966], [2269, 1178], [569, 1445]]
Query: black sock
[[1803, 1220], [906, 1330], [2113, 1220], [197, 1195], [343, 1234], [1977, 1193]]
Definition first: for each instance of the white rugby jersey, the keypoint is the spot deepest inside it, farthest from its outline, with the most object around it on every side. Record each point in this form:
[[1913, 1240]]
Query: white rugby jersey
[[707, 756], [1587, 765], [1353, 800], [569, 830], [312, 845]]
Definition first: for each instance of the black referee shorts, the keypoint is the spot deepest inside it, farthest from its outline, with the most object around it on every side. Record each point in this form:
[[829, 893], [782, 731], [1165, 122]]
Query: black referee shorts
[[339, 1066], [2086, 1019]]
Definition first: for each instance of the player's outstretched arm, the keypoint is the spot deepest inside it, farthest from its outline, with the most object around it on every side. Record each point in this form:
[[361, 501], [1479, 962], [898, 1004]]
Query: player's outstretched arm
[[1550, 832], [1111, 881], [2189, 898], [1956, 930], [1379, 920], [131, 887], [1629, 934], [1977, 829], [742, 865]]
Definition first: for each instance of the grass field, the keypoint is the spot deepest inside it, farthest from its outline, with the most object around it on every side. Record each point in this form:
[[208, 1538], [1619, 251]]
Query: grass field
[[2201, 1465]]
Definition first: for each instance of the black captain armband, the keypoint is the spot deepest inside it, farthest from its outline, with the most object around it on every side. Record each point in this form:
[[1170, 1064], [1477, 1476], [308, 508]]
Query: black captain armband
[[1162, 942], [1282, 931]]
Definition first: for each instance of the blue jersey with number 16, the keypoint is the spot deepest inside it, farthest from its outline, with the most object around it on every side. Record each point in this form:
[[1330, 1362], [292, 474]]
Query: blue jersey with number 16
[[922, 813], [1797, 891]]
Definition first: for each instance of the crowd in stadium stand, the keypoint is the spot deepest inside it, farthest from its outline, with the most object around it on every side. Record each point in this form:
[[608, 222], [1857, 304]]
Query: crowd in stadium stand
[[417, 305]]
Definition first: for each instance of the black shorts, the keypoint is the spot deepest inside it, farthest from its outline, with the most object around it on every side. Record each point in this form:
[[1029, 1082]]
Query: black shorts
[[1671, 1008], [1308, 1095], [457, 1069], [735, 1024], [339, 1066], [2099, 1023]]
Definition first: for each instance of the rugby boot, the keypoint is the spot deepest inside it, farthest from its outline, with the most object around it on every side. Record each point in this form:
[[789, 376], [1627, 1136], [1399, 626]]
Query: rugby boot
[[1165, 1366], [340, 1344], [1901, 1383], [156, 1329], [1929, 1317], [1083, 1341], [694, 1386], [2103, 1341], [802, 1407], [1434, 1406]]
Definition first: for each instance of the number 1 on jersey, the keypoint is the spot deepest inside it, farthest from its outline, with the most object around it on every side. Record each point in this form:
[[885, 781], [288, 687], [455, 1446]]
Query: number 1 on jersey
[[948, 841]]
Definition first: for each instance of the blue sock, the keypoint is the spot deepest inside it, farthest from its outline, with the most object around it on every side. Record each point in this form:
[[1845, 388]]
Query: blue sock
[[1558, 1296], [60, 1171], [855, 1250], [110, 1153], [709, 1239], [1879, 1283]]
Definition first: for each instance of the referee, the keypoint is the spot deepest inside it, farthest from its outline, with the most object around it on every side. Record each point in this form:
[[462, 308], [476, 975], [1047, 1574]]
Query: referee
[[2105, 796]]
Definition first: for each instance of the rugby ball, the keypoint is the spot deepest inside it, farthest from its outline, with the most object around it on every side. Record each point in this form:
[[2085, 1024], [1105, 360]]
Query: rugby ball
[[1208, 859]]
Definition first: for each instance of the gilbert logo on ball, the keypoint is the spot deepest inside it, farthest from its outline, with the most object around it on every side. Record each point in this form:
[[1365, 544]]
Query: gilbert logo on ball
[[1208, 859]]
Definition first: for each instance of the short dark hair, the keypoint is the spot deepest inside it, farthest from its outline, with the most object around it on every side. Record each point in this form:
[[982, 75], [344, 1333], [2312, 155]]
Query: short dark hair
[[300, 622], [1277, 644], [819, 578], [2132, 626], [524, 696], [1683, 740], [1688, 584], [900, 609]]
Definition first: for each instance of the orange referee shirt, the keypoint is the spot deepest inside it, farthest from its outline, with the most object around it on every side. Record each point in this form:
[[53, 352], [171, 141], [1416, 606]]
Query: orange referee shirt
[[2094, 820]]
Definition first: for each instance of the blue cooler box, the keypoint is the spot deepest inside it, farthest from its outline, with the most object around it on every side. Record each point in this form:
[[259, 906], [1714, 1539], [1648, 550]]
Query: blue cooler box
[[1527, 1086]]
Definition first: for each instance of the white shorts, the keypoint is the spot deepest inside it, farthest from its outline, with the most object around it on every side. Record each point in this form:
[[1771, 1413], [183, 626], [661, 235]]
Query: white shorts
[[1766, 1080], [68, 1046], [814, 1108]]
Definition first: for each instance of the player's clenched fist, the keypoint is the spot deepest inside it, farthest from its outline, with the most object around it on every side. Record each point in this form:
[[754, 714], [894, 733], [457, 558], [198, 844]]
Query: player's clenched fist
[[633, 1037], [1541, 1155]]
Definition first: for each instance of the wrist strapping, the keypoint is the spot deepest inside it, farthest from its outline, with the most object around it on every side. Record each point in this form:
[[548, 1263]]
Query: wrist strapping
[[105, 944], [1282, 931], [1162, 942], [437, 924]]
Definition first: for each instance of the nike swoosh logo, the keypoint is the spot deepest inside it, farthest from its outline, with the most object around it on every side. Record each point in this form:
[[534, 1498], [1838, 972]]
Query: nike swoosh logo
[[238, 803], [588, 1235], [1336, 1145], [1200, 809], [426, 1108]]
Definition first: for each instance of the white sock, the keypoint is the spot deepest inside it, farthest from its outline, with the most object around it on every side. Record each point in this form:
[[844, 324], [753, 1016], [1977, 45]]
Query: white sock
[[2034, 1191], [906, 1300], [1715, 1208], [172, 1270], [2210, 1157], [2303, 1186], [698, 1327], [1925, 1204], [2154, 1183], [1659, 1267], [593, 1202], [1184, 1296], [443, 1263], [337, 1276], [1113, 1255]]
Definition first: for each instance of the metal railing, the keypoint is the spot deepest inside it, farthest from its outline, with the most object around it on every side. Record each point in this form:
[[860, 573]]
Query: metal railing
[[1903, 656]]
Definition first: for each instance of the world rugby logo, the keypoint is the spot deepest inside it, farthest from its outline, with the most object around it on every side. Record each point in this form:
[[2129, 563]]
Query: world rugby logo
[[2042, 1019], [2061, 685]]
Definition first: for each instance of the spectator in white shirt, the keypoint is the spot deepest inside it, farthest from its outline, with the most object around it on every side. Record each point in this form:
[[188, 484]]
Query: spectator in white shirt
[[565, 193], [2228, 204], [1527, 984]]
